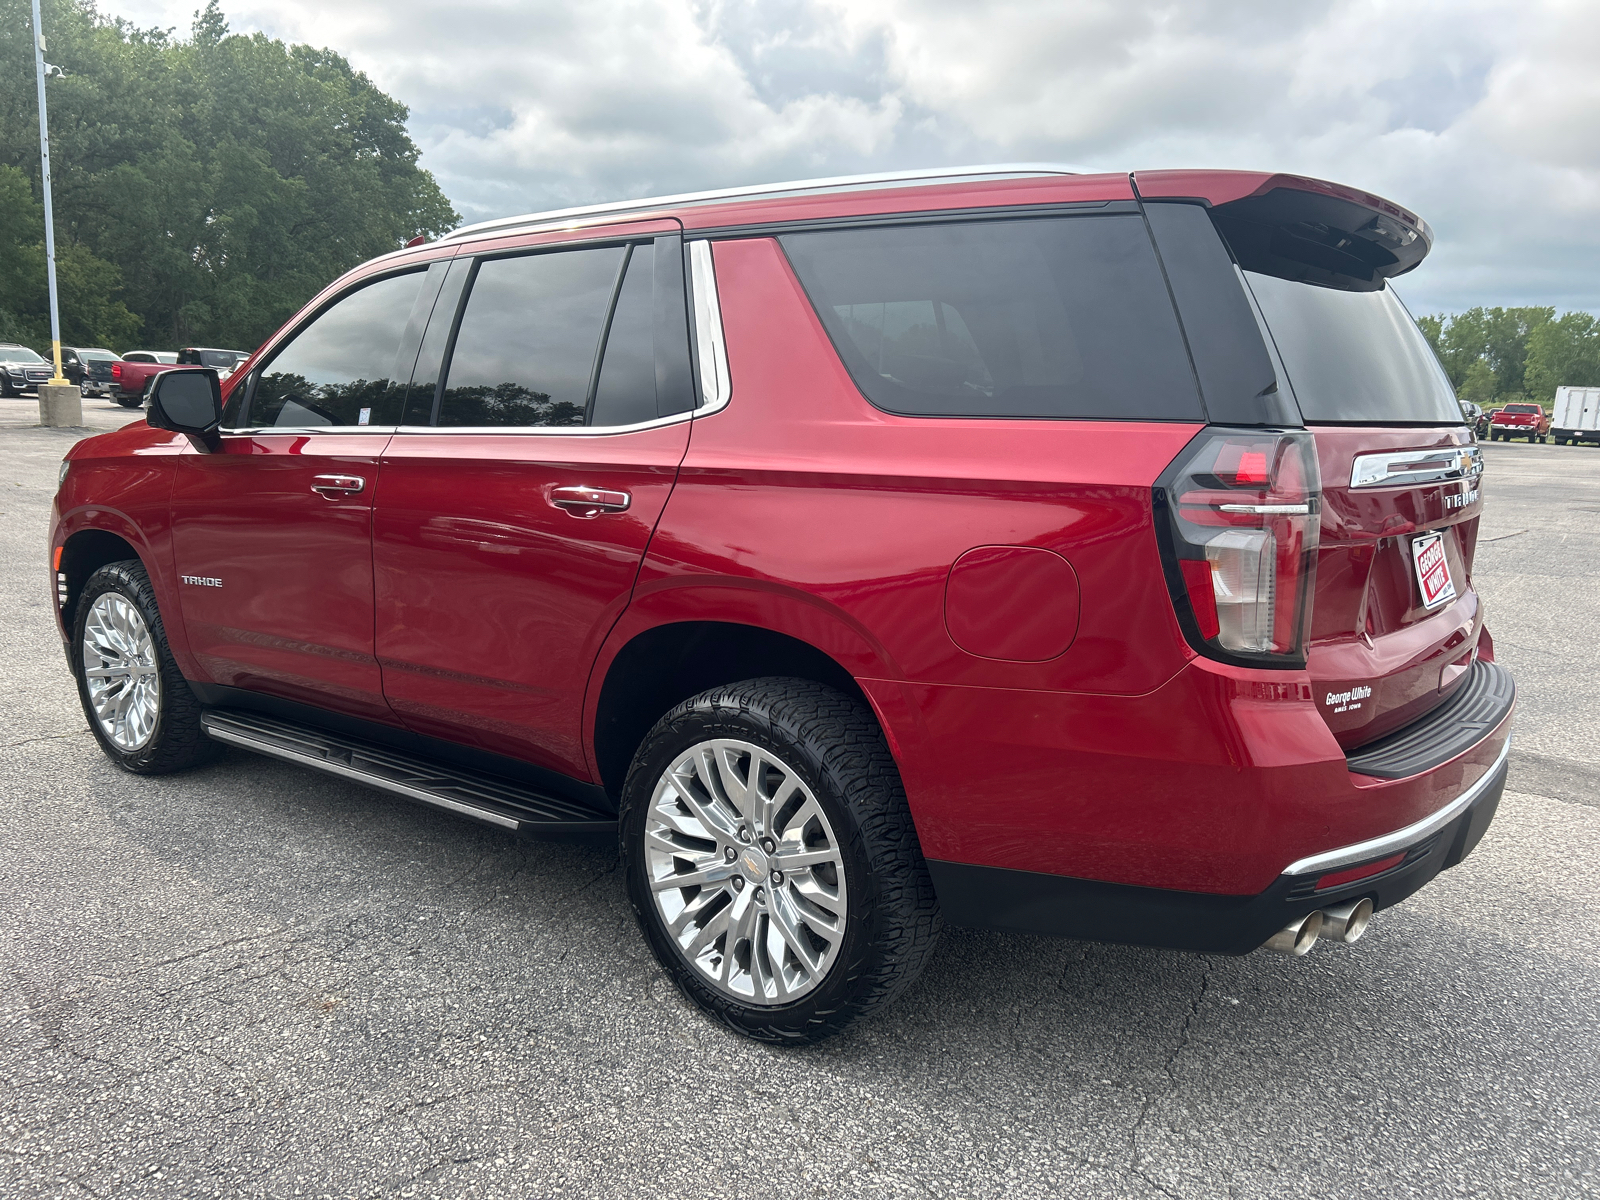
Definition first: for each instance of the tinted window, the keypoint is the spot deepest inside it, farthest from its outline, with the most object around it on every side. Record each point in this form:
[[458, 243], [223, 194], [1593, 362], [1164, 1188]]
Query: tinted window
[[1523, 408], [138, 356], [343, 368], [99, 355], [1044, 318], [525, 351], [626, 392], [1353, 356]]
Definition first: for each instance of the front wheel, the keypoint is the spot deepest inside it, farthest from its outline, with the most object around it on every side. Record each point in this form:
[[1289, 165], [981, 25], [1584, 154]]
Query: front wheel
[[772, 862], [139, 705]]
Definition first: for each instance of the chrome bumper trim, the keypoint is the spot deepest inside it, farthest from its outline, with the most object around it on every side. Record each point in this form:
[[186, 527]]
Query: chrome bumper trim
[[1400, 839]]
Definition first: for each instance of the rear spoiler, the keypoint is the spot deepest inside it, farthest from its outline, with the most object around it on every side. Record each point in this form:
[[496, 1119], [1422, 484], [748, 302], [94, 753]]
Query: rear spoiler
[[1299, 228]]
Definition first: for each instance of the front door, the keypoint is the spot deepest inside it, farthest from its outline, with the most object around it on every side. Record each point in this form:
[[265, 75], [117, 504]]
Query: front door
[[272, 534], [510, 523]]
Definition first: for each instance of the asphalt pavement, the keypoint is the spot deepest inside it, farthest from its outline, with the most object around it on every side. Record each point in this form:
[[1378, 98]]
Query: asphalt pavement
[[253, 980]]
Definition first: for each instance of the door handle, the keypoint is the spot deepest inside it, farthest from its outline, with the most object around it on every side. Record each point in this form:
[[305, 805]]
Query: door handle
[[585, 502], [331, 487]]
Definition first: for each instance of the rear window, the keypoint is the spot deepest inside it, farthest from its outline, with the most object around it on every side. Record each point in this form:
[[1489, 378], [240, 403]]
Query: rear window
[[1060, 317], [1522, 408], [1353, 357]]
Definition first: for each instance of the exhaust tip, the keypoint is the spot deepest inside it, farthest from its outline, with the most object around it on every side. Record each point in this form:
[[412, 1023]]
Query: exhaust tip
[[1297, 936], [1347, 922]]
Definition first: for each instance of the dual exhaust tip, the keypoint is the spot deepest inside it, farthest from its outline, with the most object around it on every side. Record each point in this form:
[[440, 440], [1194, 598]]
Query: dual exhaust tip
[[1341, 923]]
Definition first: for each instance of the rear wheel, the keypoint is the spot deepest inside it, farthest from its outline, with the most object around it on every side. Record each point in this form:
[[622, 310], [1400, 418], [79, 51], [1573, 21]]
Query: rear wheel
[[139, 705], [772, 862]]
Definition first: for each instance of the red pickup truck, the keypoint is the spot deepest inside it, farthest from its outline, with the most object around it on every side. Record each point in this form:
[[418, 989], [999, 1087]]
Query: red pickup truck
[[1519, 420], [129, 377]]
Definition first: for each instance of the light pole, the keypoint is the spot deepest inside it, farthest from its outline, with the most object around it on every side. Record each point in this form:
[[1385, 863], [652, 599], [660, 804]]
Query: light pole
[[49, 212]]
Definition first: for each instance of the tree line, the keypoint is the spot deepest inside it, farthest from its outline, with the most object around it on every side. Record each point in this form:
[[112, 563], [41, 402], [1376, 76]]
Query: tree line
[[1497, 356], [204, 187]]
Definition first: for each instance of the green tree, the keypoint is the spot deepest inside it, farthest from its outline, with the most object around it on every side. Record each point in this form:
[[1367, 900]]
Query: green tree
[[1480, 384], [228, 178], [91, 315], [1565, 351]]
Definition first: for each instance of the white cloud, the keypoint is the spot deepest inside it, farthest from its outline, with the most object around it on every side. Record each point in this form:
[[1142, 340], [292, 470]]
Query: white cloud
[[1483, 115]]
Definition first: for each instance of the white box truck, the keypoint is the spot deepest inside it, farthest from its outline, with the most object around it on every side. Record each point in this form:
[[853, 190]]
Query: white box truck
[[1577, 415]]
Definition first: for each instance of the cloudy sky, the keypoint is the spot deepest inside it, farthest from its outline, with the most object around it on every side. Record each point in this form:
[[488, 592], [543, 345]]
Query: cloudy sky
[[1482, 115]]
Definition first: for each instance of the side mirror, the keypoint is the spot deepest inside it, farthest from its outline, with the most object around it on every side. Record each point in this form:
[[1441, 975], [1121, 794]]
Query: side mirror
[[188, 400]]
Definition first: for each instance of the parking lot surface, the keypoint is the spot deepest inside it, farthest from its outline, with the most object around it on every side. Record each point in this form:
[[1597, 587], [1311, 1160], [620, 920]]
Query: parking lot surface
[[257, 981]]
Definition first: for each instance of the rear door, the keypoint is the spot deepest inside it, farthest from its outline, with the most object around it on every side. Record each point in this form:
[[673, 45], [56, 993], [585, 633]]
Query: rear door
[[516, 502], [273, 532], [1395, 621]]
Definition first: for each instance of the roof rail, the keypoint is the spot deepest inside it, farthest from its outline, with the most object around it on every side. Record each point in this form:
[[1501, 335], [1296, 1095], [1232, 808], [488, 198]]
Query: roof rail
[[930, 174]]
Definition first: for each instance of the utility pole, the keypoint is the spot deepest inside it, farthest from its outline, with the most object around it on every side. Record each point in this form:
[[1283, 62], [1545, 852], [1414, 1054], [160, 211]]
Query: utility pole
[[49, 212]]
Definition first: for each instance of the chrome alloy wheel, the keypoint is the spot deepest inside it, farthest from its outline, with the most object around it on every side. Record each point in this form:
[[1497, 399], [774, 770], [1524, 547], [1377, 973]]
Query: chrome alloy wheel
[[120, 670], [746, 873]]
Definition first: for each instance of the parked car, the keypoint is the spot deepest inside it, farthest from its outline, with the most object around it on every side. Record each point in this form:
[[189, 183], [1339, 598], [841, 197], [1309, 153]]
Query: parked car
[[1577, 415], [222, 361], [1470, 413], [89, 368], [133, 374], [1480, 426], [21, 369], [866, 558], [1519, 420]]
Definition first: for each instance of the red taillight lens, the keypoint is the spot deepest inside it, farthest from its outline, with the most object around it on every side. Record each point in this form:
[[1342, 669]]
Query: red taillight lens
[[116, 371], [1239, 537]]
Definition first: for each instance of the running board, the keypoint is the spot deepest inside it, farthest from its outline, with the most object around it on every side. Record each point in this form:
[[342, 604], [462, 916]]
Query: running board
[[499, 802]]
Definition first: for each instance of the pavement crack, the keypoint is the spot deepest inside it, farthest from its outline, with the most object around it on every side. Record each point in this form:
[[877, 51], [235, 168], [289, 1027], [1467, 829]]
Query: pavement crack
[[1179, 1046], [44, 737]]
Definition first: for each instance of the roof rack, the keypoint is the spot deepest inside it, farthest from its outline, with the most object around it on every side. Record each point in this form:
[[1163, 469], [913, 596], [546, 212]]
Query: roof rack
[[927, 175]]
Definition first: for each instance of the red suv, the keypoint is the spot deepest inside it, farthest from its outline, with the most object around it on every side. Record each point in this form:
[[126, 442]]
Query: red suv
[[1086, 555]]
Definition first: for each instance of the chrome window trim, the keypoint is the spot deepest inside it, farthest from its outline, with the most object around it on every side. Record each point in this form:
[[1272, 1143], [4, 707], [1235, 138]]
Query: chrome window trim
[[1400, 839], [1438, 465], [304, 429], [711, 347], [557, 430]]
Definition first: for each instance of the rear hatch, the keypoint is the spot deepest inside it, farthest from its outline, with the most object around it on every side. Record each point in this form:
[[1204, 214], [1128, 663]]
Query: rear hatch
[[1394, 623]]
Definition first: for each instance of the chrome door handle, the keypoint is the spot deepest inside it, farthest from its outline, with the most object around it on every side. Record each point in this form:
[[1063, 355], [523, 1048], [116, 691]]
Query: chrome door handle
[[586, 502], [331, 487]]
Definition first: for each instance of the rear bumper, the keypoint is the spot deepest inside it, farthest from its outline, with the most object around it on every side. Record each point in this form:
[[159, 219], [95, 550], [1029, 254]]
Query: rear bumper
[[1034, 902]]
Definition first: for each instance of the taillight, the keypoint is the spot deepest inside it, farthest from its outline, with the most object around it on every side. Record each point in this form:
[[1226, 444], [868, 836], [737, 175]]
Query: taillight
[[116, 371], [1237, 518]]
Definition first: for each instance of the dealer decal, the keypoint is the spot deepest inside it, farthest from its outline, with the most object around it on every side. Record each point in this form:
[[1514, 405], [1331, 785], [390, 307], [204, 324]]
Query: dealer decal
[[1433, 571], [1348, 700]]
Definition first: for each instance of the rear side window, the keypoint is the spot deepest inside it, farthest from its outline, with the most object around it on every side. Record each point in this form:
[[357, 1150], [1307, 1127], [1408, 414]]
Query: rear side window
[[1059, 317], [526, 347], [1353, 357], [343, 368]]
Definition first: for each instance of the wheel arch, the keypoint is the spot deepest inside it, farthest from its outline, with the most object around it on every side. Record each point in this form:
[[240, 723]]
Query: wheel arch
[[83, 553], [648, 671]]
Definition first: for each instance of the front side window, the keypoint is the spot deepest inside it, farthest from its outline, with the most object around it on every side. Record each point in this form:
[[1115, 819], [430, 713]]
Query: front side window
[[525, 350], [1058, 317], [344, 368]]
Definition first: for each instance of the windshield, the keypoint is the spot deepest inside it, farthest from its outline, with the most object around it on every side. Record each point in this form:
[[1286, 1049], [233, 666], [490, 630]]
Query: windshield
[[1353, 356], [19, 354]]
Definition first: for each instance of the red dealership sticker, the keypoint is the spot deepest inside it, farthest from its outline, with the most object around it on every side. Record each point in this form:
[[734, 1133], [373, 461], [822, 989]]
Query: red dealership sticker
[[1433, 571]]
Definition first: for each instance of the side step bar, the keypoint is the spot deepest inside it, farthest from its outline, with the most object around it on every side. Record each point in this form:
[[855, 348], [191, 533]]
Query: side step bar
[[498, 802]]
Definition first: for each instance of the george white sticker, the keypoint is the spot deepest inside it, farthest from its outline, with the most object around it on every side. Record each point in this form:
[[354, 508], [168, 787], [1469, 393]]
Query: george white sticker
[[366, 415], [1433, 570]]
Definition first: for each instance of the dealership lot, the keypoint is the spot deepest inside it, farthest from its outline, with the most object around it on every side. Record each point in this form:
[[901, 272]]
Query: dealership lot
[[253, 980]]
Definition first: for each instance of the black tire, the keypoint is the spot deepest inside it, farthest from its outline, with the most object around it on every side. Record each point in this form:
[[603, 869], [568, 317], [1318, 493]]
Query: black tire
[[5, 387], [129, 401], [177, 740], [832, 742]]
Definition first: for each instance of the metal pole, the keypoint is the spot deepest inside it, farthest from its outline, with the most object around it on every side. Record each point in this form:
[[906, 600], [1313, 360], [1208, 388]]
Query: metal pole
[[49, 212]]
